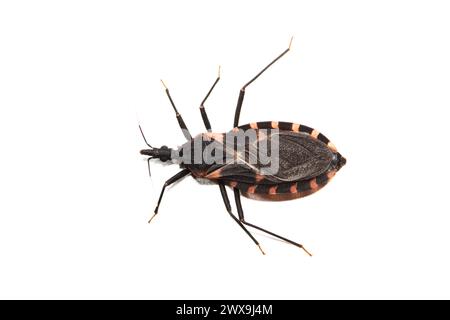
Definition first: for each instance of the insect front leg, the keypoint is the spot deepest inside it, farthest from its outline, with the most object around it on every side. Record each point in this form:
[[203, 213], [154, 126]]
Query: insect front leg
[[237, 198], [202, 105], [180, 120], [223, 191], [242, 92], [174, 179]]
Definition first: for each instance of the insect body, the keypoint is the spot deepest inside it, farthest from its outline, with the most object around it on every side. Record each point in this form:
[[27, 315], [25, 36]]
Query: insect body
[[270, 160]]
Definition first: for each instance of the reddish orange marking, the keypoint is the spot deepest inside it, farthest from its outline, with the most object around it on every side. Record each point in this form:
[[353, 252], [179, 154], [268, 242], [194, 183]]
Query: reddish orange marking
[[313, 184], [254, 125], [274, 124], [214, 136], [330, 174], [293, 188], [235, 129], [332, 147], [251, 189], [259, 177], [315, 133], [215, 174], [273, 190], [233, 184], [276, 197], [295, 127], [218, 137]]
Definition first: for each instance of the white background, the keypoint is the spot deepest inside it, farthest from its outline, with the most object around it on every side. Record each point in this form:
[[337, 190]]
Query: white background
[[76, 77]]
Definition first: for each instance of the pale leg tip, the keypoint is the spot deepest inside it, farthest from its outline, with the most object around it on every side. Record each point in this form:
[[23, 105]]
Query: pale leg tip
[[307, 252], [290, 42], [152, 217], [165, 87], [262, 251]]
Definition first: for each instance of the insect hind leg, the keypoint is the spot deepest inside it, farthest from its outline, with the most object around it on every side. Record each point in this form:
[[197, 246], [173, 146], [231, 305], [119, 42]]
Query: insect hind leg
[[237, 197], [237, 113], [226, 200]]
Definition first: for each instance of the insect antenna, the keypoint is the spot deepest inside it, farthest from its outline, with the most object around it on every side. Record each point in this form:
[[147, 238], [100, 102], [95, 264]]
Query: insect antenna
[[143, 136], [148, 159]]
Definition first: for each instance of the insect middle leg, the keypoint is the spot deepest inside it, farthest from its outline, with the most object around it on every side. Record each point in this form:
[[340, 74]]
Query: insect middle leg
[[223, 191], [174, 179], [237, 197], [242, 92], [202, 105]]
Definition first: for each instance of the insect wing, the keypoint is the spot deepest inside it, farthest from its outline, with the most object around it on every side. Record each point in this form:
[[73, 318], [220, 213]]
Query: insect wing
[[275, 156]]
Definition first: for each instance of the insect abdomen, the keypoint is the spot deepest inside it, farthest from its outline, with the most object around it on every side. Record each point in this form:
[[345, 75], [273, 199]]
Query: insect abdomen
[[289, 126], [283, 191]]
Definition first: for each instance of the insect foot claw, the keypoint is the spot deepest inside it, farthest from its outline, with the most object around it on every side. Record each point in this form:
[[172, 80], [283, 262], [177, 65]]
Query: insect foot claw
[[309, 254], [165, 87], [152, 217], [261, 250]]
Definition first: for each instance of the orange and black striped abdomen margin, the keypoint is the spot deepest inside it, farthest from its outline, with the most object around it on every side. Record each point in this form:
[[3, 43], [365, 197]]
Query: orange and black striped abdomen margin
[[283, 191], [289, 126]]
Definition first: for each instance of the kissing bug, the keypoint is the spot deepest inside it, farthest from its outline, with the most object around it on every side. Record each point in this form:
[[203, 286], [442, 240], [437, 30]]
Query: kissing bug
[[305, 159]]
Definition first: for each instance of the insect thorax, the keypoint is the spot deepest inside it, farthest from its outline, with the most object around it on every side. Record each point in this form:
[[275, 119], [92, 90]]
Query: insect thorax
[[254, 148]]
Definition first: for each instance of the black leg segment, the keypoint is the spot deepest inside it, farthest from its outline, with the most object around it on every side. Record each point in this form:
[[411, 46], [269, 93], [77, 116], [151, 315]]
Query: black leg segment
[[223, 191], [174, 179], [183, 126], [242, 92], [237, 198], [202, 105]]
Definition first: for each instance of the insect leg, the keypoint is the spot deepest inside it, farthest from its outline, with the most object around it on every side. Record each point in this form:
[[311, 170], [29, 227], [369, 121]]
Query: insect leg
[[183, 126], [148, 166], [223, 191], [202, 106], [237, 197], [175, 178], [242, 92]]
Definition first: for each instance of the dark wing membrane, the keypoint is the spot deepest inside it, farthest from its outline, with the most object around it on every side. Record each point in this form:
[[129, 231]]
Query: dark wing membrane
[[299, 157]]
